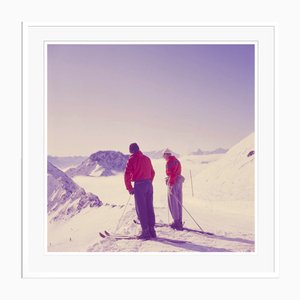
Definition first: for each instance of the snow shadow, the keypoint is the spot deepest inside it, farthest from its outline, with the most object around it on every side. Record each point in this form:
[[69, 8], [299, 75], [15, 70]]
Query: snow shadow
[[238, 240], [189, 245]]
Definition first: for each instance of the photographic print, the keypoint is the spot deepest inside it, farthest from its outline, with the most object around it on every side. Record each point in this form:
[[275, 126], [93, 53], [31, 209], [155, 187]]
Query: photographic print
[[150, 147]]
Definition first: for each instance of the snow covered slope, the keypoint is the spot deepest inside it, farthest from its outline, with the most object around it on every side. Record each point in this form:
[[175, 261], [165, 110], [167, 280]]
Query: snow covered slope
[[101, 163], [231, 177], [65, 197]]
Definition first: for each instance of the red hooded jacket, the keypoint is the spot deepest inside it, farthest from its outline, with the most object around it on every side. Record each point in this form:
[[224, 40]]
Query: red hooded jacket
[[139, 167], [173, 169]]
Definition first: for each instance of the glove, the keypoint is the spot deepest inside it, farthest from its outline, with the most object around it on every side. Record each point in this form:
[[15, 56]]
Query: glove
[[167, 180], [131, 192]]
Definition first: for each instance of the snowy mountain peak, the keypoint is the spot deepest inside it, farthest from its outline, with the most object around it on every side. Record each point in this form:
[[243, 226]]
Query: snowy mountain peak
[[101, 163]]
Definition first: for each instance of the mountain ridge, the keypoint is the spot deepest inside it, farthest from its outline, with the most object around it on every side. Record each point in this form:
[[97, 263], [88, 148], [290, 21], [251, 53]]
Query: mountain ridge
[[209, 152], [100, 163], [65, 197]]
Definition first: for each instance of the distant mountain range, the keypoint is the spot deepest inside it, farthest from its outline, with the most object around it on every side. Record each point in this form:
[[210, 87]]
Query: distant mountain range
[[158, 154], [107, 163], [101, 163], [63, 162], [216, 151], [65, 197]]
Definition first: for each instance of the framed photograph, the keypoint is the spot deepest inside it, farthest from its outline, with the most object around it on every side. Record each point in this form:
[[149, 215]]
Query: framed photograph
[[148, 151]]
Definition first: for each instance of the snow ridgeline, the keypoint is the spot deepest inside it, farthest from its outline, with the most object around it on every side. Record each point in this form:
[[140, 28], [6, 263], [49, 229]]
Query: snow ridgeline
[[232, 177], [65, 197]]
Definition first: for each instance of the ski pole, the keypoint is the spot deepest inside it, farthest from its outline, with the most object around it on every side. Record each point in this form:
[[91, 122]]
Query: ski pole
[[190, 215], [119, 223], [166, 179], [192, 183], [168, 215]]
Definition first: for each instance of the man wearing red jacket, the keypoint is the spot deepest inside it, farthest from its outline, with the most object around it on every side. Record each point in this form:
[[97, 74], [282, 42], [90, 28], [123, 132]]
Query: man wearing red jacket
[[139, 170], [174, 182]]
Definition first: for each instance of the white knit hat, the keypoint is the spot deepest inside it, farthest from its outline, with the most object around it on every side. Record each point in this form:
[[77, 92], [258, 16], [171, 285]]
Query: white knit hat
[[167, 151]]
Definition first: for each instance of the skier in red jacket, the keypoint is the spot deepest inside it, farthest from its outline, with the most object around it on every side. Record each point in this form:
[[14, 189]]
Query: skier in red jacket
[[174, 182], [139, 170]]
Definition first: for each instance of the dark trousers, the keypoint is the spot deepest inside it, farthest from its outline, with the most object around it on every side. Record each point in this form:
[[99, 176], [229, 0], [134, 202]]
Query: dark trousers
[[143, 195]]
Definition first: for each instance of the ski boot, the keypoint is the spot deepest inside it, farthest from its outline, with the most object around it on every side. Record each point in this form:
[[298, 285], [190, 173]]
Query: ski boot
[[145, 235], [177, 225], [152, 233]]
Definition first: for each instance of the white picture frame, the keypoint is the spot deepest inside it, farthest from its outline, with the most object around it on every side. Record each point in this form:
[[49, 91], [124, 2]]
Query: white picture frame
[[37, 262]]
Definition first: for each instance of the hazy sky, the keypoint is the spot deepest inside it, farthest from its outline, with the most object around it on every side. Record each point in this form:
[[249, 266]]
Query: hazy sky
[[185, 97]]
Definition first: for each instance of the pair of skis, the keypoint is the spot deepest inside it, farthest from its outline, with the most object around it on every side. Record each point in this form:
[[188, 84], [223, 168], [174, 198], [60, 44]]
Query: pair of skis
[[183, 229], [106, 235]]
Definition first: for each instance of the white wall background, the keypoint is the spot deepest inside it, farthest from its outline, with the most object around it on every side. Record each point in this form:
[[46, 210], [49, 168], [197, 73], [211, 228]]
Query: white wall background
[[154, 12]]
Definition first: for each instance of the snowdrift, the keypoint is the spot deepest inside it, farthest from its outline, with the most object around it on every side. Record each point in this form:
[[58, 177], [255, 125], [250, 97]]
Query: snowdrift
[[231, 177]]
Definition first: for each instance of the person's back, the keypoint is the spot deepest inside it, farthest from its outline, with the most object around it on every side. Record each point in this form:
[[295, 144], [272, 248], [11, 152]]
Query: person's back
[[139, 170], [139, 167], [173, 169], [174, 182]]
